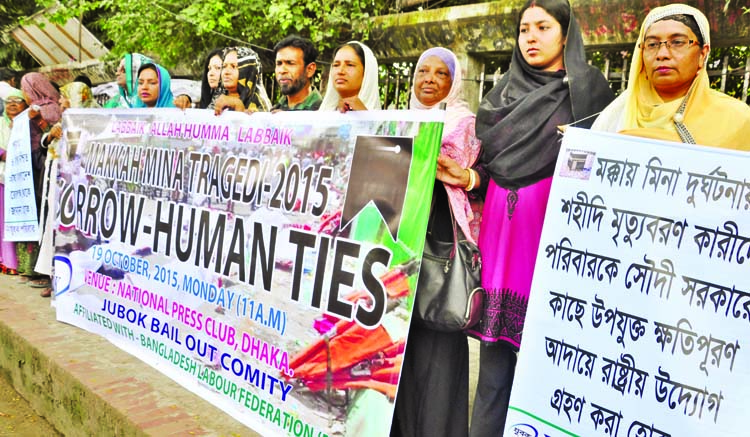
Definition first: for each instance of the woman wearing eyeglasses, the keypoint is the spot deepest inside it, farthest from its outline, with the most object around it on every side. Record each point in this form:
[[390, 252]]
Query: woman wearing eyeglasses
[[668, 95], [14, 105]]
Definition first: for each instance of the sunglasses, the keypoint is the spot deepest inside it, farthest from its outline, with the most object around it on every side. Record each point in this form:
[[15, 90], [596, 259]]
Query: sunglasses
[[14, 100]]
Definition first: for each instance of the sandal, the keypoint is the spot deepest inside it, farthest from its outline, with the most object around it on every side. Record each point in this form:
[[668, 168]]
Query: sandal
[[23, 279], [47, 292], [40, 283]]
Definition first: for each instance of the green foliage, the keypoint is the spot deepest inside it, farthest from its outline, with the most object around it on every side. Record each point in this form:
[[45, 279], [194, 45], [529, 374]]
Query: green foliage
[[12, 54], [728, 3], [737, 58], [178, 32]]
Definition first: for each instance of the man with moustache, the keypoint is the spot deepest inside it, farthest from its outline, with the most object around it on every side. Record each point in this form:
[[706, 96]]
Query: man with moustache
[[295, 67]]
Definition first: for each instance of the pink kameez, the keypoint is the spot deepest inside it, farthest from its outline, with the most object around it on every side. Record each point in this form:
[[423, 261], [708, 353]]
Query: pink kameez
[[509, 241]]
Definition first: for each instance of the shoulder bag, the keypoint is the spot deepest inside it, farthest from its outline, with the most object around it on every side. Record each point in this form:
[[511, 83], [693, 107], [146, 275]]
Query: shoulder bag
[[449, 294]]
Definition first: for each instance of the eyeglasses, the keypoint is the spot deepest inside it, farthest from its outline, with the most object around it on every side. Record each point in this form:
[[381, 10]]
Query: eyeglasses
[[14, 100], [651, 46]]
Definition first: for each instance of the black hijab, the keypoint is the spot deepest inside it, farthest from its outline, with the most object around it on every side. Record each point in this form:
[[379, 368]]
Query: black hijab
[[208, 94], [517, 120]]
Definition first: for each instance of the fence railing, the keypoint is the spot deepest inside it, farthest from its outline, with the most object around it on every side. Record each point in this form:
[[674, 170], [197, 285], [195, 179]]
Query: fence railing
[[396, 78]]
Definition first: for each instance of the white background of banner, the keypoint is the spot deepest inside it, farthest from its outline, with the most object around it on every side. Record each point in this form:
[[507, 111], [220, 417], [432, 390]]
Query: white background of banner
[[550, 396], [82, 294], [23, 225]]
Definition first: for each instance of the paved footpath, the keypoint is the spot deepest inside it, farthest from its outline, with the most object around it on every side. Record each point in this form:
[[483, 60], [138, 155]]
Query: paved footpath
[[17, 418], [85, 386]]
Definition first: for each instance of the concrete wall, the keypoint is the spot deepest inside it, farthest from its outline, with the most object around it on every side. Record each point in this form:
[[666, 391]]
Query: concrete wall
[[488, 28], [478, 31]]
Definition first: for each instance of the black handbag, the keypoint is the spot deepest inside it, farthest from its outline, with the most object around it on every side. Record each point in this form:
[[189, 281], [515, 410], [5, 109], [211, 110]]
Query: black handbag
[[449, 295]]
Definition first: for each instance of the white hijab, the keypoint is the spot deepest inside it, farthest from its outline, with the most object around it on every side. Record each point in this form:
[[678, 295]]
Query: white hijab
[[368, 93], [456, 107], [459, 140]]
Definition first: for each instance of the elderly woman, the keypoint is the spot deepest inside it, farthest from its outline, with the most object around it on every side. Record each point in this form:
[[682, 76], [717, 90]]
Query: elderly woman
[[72, 95], [14, 105], [154, 87], [668, 95], [44, 129], [353, 80], [433, 396]]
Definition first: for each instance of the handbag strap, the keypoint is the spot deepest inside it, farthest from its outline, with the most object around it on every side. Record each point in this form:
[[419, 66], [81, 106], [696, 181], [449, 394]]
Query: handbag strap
[[459, 233]]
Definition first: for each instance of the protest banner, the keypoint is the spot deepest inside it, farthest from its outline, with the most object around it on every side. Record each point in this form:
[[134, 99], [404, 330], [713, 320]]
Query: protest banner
[[640, 302], [267, 262], [21, 220]]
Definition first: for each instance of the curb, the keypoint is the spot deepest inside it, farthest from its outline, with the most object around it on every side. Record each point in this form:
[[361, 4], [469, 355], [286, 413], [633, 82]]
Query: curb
[[85, 386]]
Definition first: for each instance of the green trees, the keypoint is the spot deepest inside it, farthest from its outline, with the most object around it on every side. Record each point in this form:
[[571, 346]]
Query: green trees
[[12, 54], [179, 31]]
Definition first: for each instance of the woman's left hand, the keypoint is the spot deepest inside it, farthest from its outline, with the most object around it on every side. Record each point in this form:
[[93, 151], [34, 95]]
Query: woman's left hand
[[231, 103], [351, 104], [55, 133], [183, 101], [449, 172]]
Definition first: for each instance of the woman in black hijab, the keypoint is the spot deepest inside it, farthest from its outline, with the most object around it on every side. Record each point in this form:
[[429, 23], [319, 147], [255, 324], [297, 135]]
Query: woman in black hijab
[[211, 87], [549, 84]]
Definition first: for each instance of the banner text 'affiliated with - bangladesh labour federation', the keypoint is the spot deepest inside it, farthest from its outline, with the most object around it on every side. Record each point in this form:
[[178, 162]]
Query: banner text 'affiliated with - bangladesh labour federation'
[[266, 262]]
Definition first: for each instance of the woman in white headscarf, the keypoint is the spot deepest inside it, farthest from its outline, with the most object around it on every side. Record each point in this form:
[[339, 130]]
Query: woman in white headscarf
[[433, 395], [353, 80], [669, 95]]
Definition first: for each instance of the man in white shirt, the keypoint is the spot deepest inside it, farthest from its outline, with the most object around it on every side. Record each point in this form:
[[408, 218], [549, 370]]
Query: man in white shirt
[[7, 84]]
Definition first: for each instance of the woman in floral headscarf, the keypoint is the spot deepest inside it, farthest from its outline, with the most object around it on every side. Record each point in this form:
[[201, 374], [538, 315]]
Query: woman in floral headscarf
[[127, 81], [72, 95], [44, 126], [241, 77], [76, 95], [668, 95]]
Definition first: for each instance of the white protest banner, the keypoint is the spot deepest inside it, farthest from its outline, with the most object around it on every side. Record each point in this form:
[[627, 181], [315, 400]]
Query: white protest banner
[[640, 307], [267, 262], [21, 219]]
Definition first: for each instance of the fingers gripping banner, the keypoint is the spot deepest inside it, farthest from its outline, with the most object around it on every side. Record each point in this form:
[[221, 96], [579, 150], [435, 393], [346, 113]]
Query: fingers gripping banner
[[267, 263]]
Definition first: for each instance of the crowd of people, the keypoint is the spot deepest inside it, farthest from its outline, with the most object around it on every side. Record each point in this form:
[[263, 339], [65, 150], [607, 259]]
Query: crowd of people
[[501, 158]]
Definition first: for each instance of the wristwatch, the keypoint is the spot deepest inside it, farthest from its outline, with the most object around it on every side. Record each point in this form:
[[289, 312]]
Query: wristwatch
[[36, 108]]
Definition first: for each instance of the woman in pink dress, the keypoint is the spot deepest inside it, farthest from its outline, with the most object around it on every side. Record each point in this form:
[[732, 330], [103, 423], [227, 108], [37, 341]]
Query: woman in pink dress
[[549, 84]]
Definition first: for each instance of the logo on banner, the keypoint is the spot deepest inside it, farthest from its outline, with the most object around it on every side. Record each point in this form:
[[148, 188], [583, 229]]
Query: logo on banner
[[375, 160], [526, 430]]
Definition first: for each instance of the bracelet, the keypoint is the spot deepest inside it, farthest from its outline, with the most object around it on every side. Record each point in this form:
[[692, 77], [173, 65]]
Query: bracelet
[[472, 180]]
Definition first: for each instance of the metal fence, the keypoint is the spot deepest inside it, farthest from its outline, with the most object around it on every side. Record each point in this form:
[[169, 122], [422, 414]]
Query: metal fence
[[396, 78]]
